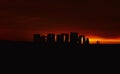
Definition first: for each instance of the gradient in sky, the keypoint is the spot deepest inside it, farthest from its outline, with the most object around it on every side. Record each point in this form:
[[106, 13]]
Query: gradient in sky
[[97, 19]]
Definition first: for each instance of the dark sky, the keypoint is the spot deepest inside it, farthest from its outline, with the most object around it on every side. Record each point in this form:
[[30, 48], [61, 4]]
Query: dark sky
[[19, 19]]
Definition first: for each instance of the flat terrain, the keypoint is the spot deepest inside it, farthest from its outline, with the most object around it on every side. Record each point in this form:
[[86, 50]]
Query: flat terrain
[[32, 45]]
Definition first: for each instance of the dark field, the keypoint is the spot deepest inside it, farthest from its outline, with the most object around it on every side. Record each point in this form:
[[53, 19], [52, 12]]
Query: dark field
[[33, 45], [47, 53]]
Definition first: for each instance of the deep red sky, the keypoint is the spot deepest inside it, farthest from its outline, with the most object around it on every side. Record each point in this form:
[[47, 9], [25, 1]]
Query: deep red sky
[[19, 19]]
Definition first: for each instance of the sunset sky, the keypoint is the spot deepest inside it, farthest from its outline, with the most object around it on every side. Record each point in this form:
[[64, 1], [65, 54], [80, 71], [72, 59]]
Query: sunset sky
[[97, 19]]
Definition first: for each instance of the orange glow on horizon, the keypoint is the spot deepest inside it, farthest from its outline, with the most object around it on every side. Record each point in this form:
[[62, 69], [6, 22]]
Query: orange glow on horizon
[[28, 36], [105, 40]]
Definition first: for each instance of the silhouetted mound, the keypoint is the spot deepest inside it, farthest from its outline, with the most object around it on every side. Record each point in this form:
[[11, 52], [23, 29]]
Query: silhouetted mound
[[34, 45]]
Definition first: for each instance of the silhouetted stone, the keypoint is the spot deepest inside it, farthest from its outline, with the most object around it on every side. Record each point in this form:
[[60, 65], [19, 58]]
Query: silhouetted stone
[[66, 37], [43, 39], [60, 39], [36, 37], [87, 41], [73, 37], [98, 42], [51, 38], [82, 39]]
